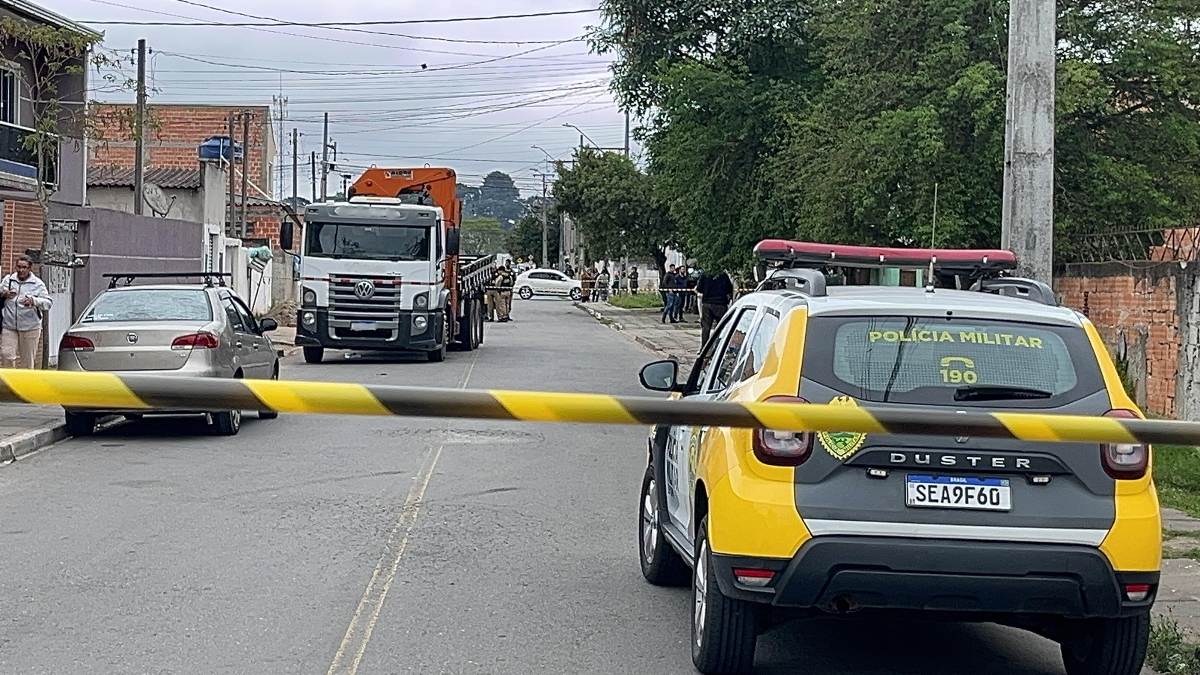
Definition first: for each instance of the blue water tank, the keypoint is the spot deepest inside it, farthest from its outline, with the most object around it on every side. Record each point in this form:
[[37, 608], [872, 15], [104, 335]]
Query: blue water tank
[[216, 147]]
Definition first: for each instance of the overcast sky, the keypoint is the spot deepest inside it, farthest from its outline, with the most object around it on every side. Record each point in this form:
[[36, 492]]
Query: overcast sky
[[460, 111]]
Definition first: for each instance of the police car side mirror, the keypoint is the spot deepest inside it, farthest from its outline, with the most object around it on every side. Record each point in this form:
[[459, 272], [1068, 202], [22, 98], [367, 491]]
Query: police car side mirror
[[660, 376]]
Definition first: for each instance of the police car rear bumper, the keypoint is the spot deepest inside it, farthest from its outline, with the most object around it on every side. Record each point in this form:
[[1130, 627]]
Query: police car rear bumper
[[403, 336], [840, 574]]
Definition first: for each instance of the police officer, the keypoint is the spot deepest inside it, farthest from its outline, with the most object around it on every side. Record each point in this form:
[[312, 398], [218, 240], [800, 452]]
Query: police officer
[[504, 282]]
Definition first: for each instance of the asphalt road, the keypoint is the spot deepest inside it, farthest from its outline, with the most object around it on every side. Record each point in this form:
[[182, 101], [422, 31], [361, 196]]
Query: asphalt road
[[379, 545]]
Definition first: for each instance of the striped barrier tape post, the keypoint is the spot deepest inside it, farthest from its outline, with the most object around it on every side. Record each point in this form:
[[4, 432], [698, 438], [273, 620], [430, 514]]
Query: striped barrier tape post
[[106, 391]]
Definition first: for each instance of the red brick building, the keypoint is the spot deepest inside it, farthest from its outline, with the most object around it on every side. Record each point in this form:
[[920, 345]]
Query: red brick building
[[176, 132]]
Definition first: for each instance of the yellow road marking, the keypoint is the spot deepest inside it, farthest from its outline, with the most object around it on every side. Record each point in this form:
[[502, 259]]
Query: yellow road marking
[[354, 643]]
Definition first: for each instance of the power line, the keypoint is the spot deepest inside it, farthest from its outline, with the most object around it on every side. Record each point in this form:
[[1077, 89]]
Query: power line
[[326, 24], [343, 26]]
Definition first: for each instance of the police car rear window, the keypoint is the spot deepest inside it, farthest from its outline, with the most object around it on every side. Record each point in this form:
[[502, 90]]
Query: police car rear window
[[944, 361]]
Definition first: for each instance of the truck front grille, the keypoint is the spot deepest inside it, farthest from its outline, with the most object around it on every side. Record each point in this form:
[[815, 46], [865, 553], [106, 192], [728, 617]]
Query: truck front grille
[[346, 307]]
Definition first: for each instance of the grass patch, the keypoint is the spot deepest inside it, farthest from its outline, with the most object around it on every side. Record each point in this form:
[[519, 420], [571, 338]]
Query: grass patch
[[1192, 553], [639, 301], [1177, 477], [1170, 653]]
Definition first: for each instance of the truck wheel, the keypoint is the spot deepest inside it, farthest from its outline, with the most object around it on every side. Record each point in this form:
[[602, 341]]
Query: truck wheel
[[724, 630], [479, 323], [1108, 646], [314, 354], [466, 327], [438, 355]]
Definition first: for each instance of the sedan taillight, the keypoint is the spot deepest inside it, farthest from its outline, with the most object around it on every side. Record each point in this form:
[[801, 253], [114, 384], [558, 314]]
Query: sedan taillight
[[1124, 461], [76, 343], [199, 340], [782, 448]]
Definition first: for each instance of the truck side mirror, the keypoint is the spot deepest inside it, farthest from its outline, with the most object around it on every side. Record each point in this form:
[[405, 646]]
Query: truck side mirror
[[287, 234], [452, 241]]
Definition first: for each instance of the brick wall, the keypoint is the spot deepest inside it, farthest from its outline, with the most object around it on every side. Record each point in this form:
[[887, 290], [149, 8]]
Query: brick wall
[[178, 130], [1137, 312], [22, 231]]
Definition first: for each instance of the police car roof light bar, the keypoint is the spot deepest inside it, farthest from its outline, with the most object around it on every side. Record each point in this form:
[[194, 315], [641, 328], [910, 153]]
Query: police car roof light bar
[[976, 262]]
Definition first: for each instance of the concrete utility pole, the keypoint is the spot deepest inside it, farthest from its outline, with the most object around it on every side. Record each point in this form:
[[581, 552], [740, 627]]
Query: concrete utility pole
[[325, 158], [231, 199], [545, 231], [281, 101], [626, 133], [312, 173], [139, 133], [295, 164], [245, 174], [1027, 226]]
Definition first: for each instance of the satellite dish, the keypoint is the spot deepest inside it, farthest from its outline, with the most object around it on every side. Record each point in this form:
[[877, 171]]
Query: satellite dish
[[156, 199]]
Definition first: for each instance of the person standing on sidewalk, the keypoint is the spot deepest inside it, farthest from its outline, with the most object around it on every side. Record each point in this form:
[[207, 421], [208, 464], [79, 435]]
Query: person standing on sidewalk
[[25, 301], [633, 280], [716, 292], [670, 296]]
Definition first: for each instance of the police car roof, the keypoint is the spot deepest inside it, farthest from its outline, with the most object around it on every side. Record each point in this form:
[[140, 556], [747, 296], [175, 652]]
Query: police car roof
[[909, 301]]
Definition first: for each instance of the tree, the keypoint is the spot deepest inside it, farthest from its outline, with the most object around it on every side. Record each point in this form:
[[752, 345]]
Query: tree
[[615, 206], [835, 120], [499, 198], [525, 238], [483, 236]]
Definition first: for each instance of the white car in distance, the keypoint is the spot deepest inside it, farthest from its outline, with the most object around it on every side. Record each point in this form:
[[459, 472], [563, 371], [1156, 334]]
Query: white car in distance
[[547, 282]]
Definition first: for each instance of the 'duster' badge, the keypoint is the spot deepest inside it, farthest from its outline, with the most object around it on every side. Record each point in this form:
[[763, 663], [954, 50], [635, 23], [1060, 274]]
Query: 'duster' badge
[[842, 444]]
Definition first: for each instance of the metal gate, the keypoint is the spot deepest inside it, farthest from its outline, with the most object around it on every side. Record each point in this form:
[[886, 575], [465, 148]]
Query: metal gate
[[60, 282]]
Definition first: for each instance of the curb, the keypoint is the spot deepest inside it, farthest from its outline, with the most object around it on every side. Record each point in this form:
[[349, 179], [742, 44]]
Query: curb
[[645, 343], [28, 442]]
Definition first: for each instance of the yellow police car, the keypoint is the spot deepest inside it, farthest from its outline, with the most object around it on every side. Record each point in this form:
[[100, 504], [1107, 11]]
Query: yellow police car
[[1062, 539]]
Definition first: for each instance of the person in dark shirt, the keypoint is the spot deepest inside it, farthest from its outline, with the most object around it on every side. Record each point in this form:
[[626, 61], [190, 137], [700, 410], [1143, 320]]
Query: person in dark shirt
[[670, 296], [716, 292]]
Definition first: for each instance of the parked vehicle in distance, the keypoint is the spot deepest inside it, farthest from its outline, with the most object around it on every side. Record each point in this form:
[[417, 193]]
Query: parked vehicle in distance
[[195, 330], [547, 282]]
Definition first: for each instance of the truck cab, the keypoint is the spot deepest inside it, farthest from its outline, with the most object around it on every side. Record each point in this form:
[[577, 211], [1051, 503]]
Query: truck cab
[[373, 278]]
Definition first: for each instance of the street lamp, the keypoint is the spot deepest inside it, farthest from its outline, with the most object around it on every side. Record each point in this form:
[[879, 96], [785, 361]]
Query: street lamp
[[581, 135], [550, 157]]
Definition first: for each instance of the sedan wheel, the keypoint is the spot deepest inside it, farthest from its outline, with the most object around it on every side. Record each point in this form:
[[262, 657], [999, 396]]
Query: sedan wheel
[[526, 293]]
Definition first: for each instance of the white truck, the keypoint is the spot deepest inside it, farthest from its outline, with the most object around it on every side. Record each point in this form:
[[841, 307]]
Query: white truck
[[380, 273]]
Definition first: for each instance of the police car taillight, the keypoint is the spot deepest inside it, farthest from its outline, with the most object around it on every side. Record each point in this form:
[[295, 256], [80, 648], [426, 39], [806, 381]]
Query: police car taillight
[[1124, 461], [782, 448]]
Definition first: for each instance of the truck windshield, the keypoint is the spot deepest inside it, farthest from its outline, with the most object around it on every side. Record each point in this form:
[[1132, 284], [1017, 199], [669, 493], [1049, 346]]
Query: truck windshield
[[368, 242]]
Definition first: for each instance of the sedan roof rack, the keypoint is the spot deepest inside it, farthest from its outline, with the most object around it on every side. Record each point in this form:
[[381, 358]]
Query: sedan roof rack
[[210, 278]]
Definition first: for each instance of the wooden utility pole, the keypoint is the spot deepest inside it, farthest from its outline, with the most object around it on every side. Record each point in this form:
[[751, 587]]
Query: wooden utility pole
[[1027, 225], [232, 200], [139, 133], [243, 231]]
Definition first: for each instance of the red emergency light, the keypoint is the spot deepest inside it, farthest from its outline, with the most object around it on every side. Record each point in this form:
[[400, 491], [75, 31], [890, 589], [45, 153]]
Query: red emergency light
[[803, 253]]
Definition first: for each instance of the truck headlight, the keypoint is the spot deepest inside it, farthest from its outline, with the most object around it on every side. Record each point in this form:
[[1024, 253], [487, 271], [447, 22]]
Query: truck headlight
[[420, 323], [308, 319], [309, 297], [421, 301]]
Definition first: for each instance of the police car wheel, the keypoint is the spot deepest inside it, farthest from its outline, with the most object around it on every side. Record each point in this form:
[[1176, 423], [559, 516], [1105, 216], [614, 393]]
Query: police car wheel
[[525, 293], [724, 630], [1108, 646], [661, 565]]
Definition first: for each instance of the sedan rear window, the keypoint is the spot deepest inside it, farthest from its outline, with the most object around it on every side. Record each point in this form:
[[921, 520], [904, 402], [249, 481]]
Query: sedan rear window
[[151, 304], [952, 361]]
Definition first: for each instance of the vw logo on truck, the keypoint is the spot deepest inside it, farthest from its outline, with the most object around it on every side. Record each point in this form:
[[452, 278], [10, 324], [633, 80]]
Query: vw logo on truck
[[364, 289]]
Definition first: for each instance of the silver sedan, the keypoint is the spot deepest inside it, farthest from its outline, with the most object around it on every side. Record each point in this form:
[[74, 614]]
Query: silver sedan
[[191, 330]]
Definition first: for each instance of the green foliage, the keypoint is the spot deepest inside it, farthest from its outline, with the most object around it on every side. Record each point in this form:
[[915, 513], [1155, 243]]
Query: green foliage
[[614, 206], [835, 120], [525, 239], [483, 236], [636, 301], [498, 197], [1177, 477], [1169, 651]]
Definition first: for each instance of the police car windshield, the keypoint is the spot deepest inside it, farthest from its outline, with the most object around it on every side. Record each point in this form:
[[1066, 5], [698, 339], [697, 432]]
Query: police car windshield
[[952, 361], [368, 241]]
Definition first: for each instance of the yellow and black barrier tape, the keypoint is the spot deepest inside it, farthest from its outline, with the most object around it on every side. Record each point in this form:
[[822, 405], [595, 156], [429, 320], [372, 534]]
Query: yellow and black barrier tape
[[110, 392]]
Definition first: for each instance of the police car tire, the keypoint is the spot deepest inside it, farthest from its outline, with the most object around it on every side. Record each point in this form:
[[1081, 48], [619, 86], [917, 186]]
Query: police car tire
[[1109, 646], [729, 629], [665, 567], [80, 424]]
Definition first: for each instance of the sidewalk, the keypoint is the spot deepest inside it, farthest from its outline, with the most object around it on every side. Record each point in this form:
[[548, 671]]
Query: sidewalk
[[678, 341]]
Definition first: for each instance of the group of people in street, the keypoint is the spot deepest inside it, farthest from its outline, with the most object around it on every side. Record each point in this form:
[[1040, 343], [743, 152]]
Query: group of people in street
[[498, 297], [596, 286], [681, 292], [25, 302]]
